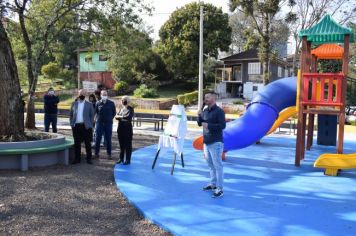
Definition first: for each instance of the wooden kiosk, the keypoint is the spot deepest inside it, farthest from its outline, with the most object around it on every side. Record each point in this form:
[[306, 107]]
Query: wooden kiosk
[[321, 93]]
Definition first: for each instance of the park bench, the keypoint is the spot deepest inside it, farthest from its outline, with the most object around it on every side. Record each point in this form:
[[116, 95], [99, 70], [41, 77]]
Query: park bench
[[41, 156], [288, 124], [157, 122]]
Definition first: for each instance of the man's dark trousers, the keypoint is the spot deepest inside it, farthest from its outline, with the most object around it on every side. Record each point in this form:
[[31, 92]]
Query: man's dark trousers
[[50, 119], [106, 128], [80, 134]]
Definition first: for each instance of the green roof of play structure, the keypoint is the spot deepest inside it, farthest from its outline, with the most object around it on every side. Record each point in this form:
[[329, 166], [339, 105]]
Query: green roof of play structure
[[327, 31]]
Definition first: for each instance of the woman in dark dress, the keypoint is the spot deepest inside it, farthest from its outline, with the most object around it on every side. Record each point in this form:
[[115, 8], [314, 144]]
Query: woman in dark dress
[[92, 99], [124, 130]]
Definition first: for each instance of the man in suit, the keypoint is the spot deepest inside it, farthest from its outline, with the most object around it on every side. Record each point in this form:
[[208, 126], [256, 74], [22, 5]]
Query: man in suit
[[81, 121], [105, 112]]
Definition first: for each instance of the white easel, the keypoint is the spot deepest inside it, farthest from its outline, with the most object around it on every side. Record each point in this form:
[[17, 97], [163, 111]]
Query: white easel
[[173, 135]]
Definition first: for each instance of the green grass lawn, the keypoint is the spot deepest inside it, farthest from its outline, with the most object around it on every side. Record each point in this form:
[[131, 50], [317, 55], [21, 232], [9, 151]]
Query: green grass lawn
[[171, 91]]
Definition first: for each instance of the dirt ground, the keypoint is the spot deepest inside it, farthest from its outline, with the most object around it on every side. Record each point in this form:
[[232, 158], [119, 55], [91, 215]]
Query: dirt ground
[[77, 199]]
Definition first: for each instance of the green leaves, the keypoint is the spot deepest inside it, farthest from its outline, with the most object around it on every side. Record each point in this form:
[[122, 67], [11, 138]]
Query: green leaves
[[179, 38]]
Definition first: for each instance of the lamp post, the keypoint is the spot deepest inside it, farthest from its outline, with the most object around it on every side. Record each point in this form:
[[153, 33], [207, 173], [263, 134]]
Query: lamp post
[[200, 90]]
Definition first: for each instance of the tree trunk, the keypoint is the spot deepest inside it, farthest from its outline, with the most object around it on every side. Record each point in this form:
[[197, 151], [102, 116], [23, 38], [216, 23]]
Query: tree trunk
[[266, 48], [32, 80], [11, 105]]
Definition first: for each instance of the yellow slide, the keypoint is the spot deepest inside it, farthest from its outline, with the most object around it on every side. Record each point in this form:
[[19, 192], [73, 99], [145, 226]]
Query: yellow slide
[[333, 162], [283, 116]]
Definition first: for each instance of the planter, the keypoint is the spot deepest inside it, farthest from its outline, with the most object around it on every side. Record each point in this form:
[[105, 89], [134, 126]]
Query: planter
[[46, 152]]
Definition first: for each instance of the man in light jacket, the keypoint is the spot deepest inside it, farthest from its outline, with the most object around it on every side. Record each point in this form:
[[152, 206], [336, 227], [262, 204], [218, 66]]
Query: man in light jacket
[[81, 121]]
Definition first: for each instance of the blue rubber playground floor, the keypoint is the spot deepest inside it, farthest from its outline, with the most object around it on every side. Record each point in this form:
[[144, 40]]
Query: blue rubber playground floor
[[265, 194]]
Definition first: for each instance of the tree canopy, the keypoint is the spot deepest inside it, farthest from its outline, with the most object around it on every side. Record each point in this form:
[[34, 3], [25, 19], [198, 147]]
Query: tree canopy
[[262, 14], [42, 22], [179, 38]]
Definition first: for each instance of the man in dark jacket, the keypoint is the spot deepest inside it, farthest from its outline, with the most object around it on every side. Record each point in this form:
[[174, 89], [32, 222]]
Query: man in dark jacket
[[105, 112], [50, 108], [212, 118]]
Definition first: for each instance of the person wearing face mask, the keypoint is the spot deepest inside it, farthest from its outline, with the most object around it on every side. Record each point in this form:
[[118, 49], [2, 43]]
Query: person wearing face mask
[[50, 101], [81, 120], [104, 113], [124, 130]]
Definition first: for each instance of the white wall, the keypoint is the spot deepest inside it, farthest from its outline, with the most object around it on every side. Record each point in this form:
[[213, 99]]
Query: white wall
[[249, 88]]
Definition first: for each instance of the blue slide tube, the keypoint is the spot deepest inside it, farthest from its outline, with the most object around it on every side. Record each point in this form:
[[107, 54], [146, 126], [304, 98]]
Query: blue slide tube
[[261, 114]]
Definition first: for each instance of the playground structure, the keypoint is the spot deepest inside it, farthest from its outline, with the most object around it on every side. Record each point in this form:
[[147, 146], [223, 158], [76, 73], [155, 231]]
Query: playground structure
[[323, 93], [312, 94]]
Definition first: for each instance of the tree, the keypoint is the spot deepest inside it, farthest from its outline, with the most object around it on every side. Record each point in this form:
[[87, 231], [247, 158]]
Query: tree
[[131, 59], [240, 29], [245, 37], [11, 115], [42, 21], [262, 13], [179, 38], [51, 70], [305, 13]]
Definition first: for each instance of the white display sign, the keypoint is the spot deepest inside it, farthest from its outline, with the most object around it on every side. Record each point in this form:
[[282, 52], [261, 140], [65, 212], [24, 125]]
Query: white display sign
[[90, 86], [177, 122]]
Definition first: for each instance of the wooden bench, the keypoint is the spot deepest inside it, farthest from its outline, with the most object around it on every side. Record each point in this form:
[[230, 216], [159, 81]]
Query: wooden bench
[[288, 124], [26, 152], [157, 122]]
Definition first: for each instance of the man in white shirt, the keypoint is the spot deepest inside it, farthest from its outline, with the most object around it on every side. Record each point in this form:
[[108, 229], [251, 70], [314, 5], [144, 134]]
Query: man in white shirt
[[81, 120]]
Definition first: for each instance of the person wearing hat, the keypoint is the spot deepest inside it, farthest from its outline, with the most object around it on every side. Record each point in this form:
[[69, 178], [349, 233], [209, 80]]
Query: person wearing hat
[[124, 130], [50, 101]]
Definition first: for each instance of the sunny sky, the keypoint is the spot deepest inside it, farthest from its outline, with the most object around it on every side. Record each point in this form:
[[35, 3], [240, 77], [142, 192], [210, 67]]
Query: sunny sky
[[163, 9]]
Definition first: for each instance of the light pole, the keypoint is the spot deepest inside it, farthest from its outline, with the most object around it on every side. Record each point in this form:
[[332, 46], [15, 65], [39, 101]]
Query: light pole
[[200, 90]]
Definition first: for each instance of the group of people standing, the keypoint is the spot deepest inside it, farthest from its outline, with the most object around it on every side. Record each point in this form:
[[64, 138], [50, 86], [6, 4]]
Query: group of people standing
[[99, 112], [91, 120]]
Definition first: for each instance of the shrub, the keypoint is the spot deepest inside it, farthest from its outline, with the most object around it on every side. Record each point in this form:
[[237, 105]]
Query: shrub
[[121, 87], [51, 70], [144, 92], [180, 99], [238, 102], [189, 98]]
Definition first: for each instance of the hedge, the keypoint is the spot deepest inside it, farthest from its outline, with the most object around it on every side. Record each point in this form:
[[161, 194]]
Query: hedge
[[189, 98]]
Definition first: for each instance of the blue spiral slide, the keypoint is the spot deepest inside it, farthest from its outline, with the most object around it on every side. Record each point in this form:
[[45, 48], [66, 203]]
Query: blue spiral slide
[[261, 113]]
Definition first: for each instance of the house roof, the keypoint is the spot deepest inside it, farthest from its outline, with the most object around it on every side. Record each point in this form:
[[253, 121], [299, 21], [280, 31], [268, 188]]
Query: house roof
[[326, 31], [328, 51], [90, 50], [249, 54]]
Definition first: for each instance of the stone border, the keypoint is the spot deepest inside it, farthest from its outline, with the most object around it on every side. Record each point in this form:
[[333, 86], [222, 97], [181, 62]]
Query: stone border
[[56, 139]]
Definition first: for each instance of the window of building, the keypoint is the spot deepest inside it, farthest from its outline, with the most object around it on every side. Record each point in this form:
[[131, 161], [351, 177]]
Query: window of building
[[103, 58], [88, 59], [286, 74], [254, 68], [279, 71]]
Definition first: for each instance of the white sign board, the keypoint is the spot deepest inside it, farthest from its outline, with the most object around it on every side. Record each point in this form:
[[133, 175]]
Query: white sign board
[[90, 86], [177, 122]]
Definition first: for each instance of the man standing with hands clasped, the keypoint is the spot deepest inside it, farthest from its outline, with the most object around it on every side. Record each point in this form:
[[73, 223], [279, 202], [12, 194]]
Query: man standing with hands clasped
[[212, 118], [81, 119], [105, 112]]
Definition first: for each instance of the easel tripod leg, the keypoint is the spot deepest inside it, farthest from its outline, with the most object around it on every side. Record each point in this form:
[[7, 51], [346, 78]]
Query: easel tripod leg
[[174, 162], [181, 157], [154, 162]]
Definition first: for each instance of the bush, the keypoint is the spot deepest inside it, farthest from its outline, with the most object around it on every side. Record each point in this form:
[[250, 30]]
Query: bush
[[180, 99], [51, 70], [144, 92], [121, 87], [189, 98], [238, 102]]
